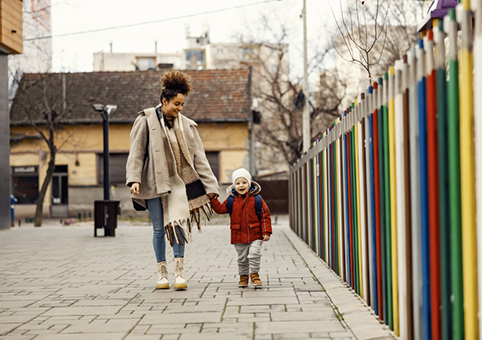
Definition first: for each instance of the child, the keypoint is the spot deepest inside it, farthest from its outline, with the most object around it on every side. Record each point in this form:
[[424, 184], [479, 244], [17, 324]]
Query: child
[[248, 230]]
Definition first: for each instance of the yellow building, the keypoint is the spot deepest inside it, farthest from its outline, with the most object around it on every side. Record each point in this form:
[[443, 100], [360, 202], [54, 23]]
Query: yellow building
[[220, 104]]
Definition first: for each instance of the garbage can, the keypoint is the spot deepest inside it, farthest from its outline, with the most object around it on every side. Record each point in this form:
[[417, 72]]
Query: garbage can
[[12, 209], [105, 216]]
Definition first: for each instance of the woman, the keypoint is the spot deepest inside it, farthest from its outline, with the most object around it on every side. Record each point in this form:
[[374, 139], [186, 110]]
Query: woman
[[168, 173]]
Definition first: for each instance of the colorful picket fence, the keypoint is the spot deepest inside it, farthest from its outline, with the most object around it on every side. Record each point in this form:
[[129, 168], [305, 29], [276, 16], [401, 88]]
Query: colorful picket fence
[[387, 196]]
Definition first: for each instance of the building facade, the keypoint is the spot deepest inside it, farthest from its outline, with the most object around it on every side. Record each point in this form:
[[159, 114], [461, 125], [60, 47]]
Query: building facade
[[220, 104], [11, 43]]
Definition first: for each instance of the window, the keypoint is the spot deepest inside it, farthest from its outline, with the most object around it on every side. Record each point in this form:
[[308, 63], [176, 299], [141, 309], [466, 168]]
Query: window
[[145, 63], [60, 185], [249, 53], [25, 184], [274, 51], [117, 168], [213, 159], [194, 59], [246, 53]]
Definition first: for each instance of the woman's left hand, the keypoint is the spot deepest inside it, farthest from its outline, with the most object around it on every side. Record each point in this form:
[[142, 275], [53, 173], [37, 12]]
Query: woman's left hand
[[135, 188], [266, 237]]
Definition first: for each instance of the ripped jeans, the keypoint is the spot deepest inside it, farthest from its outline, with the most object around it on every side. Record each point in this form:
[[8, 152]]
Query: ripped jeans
[[156, 212]]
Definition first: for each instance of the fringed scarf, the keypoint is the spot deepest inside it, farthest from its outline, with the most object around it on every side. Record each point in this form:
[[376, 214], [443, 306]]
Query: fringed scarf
[[187, 202]]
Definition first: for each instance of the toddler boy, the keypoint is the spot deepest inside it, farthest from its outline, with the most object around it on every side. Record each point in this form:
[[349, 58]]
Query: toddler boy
[[250, 224]]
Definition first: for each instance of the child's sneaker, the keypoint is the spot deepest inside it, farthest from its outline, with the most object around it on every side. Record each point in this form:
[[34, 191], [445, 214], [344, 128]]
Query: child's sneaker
[[255, 280], [243, 281]]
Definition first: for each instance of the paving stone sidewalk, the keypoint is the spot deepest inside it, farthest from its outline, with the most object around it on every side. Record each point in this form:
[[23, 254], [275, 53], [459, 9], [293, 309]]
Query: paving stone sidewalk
[[61, 283]]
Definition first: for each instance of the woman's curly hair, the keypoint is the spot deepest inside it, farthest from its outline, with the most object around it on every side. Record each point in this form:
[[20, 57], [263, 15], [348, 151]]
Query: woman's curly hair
[[173, 83]]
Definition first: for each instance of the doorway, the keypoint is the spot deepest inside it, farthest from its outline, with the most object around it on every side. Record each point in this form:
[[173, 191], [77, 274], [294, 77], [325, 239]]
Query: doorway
[[60, 192]]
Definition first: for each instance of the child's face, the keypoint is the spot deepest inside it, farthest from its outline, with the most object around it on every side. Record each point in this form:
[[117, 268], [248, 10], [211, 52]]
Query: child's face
[[241, 185]]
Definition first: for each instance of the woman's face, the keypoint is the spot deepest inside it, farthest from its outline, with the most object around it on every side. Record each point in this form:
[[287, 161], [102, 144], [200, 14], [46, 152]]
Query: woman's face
[[174, 106]]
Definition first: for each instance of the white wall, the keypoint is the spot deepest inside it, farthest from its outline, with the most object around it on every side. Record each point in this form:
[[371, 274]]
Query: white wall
[[127, 61], [37, 54]]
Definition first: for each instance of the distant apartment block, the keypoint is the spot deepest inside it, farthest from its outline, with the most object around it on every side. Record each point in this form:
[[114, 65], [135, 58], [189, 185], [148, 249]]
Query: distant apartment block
[[199, 54]]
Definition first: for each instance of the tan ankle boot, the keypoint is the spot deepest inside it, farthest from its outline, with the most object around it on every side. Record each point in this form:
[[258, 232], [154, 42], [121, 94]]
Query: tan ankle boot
[[162, 282], [255, 280], [243, 281], [180, 282]]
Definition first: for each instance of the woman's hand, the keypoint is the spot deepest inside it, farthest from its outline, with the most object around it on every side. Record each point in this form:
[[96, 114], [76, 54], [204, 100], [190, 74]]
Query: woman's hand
[[135, 188], [266, 237]]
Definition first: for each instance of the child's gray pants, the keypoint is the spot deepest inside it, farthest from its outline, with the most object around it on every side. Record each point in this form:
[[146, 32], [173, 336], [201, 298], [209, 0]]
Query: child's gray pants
[[249, 257]]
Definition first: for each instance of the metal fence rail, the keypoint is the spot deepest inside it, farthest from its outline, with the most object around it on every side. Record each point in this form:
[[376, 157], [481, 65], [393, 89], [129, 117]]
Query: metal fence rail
[[387, 197]]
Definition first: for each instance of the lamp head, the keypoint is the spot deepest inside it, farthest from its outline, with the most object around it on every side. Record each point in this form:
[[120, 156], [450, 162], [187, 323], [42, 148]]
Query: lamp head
[[111, 108], [99, 107]]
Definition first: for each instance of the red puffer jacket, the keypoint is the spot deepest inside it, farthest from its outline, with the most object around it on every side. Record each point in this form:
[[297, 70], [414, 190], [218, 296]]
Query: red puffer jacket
[[246, 227]]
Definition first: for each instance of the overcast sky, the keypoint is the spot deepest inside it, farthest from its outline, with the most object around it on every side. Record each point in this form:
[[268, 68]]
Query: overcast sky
[[74, 52]]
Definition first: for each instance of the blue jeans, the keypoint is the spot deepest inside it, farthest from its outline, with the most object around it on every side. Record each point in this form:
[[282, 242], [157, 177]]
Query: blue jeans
[[156, 212]]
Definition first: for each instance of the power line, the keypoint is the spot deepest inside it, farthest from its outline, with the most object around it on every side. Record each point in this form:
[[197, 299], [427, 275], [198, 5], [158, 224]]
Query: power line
[[150, 22]]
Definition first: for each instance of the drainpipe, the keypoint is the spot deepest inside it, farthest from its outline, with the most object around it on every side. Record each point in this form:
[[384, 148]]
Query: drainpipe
[[252, 157]]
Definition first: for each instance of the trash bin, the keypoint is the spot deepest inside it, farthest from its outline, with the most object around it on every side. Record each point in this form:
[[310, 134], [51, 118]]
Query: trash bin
[[12, 209], [105, 216]]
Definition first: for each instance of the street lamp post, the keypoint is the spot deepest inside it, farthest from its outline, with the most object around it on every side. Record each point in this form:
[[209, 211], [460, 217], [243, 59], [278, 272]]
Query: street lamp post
[[104, 210], [105, 117]]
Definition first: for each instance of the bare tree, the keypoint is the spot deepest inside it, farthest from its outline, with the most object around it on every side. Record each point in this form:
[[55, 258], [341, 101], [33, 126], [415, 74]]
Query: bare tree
[[374, 35], [281, 99], [362, 27], [402, 31], [43, 106]]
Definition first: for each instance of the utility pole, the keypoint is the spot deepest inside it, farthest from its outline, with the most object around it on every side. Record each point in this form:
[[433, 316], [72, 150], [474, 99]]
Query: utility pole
[[306, 89]]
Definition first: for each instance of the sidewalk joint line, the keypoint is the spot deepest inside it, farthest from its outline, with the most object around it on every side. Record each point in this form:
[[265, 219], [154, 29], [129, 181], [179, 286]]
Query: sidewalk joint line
[[130, 331], [128, 302], [334, 307]]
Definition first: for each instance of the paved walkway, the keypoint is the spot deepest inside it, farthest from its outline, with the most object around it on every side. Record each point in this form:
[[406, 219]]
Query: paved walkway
[[62, 283]]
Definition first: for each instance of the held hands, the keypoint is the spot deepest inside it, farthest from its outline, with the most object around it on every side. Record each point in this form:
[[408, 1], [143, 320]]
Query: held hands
[[266, 237], [135, 188]]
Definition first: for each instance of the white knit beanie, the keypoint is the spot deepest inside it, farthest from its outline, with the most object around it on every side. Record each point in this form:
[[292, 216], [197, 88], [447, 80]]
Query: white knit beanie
[[242, 172]]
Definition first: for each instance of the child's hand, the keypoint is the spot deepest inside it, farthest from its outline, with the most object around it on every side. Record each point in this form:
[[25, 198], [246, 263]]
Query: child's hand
[[212, 195], [266, 238]]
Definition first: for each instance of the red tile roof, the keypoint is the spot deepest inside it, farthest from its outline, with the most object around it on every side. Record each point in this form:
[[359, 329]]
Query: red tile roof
[[219, 95]]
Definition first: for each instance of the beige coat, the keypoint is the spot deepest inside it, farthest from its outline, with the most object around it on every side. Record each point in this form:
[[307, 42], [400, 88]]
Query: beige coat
[[153, 175]]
